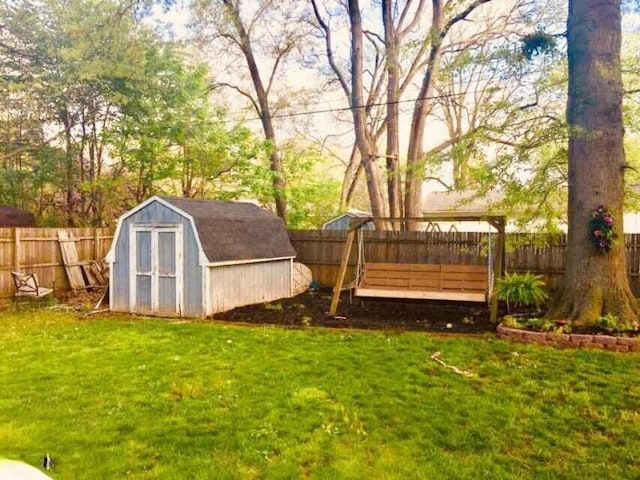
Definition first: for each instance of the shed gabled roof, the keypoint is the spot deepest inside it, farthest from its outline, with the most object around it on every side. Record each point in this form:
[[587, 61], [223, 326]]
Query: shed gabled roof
[[235, 231]]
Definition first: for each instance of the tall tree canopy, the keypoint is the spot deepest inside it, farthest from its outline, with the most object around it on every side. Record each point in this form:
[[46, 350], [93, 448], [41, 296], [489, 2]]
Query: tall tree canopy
[[419, 60], [263, 35], [100, 111]]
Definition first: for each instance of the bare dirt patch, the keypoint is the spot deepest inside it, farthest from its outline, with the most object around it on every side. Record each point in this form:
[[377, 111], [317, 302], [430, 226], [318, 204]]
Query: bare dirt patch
[[310, 309]]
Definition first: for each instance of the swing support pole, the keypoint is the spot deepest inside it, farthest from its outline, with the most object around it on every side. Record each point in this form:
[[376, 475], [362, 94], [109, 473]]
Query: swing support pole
[[498, 266], [346, 253]]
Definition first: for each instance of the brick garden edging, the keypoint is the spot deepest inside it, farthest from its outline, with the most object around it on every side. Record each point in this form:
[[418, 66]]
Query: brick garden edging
[[571, 340]]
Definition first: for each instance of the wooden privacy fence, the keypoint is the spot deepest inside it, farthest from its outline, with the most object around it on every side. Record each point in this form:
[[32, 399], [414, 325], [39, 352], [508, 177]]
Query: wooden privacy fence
[[37, 250], [321, 251]]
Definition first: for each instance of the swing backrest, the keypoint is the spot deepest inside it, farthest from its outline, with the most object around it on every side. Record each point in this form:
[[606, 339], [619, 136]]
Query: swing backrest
[[425, 277]]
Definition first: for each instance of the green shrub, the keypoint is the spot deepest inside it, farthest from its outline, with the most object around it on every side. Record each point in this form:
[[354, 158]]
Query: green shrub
[[521, 289], [612, 324]]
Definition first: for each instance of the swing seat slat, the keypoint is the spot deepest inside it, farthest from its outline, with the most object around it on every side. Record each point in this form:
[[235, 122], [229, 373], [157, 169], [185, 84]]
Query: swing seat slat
[[424, 281]]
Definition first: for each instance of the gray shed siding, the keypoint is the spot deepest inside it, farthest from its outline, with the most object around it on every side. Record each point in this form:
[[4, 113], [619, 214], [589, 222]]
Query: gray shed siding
[[157, 214], [232, 286]]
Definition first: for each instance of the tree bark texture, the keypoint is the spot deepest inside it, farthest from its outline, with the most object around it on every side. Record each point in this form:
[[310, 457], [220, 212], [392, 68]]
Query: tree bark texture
[[393, 114], [366, 145], [264, 111], [415, 153], [594, 283]]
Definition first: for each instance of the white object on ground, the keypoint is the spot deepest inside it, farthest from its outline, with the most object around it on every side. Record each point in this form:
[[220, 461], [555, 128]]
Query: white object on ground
[[436, 358], [301, 278], [15, 470]]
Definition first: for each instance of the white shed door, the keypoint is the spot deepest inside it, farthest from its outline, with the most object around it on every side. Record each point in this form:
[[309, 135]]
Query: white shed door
[[156, 261]]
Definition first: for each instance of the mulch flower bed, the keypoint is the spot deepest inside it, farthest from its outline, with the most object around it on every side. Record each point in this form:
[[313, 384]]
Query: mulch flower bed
[[311, 307]]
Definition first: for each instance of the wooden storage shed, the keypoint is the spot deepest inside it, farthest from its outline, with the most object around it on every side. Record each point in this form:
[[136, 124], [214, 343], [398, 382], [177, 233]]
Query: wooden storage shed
[[193, 258]]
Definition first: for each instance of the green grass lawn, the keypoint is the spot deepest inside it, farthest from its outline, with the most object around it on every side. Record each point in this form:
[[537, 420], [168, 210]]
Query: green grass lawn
[[132, 398]]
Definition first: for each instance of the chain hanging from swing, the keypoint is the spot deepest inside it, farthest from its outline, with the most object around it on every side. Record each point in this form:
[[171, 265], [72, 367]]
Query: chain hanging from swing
[[490, 272], [360, 260]]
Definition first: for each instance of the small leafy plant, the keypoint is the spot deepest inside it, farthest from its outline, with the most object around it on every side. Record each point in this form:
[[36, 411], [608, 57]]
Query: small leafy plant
[[537, 324], [521, 289], [611, 323]]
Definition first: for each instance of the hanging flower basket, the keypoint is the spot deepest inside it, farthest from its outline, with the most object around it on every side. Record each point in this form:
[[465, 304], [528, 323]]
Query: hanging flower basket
[[601, 226]]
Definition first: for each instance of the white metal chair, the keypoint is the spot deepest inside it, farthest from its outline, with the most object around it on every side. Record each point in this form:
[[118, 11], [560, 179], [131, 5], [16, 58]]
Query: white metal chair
[[27, 285]]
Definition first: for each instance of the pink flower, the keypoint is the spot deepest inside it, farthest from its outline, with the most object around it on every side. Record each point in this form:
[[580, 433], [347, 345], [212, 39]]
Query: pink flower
[[608, 220], [597, 233]]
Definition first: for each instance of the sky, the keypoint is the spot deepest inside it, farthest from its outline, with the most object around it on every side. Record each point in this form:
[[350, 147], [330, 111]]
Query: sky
[[177, 17], [322, 125]]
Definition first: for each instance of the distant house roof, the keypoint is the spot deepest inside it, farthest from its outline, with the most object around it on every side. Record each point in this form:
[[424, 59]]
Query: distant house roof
[[231, 231], [461, 203], [13, 217]]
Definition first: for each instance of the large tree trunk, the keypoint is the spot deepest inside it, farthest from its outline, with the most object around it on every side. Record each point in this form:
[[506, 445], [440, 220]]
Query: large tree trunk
[[594, 283], [263, 108], [393, 114], [69, 169], [366, 145], [415, 152]]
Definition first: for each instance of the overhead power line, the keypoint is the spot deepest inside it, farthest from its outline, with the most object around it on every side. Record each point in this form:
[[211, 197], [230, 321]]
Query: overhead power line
[[350, 108]]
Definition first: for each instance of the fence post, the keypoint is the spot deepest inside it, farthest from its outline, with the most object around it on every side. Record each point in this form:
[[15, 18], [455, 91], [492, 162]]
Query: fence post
[[16, 249], [96, 244]]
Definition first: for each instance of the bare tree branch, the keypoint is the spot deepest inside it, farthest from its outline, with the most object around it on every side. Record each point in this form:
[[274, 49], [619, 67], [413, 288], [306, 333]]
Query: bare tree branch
[[402, 31], [329, 49], [242, 92]]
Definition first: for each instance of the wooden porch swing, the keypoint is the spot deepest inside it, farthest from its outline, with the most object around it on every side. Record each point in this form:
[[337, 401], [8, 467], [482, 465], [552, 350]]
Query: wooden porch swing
[[424, 281]]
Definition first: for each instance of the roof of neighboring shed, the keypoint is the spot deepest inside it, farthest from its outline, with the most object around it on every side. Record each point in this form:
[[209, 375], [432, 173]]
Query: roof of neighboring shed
[[13, 217], [351, 213], [233, 231]]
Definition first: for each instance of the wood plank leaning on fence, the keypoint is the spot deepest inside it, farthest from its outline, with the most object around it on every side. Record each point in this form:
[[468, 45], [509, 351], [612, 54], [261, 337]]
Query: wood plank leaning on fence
[[81, 274]]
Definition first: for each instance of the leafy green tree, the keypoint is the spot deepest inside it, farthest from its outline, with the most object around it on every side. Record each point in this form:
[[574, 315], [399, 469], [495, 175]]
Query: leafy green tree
[[261, 36], [60, 60], [100, 112], [170, 138], [313, 195]]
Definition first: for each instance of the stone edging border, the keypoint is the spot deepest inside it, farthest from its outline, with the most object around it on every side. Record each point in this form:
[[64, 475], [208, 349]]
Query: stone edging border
[[571, 340]]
